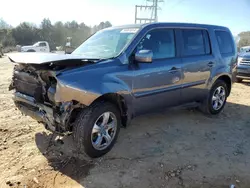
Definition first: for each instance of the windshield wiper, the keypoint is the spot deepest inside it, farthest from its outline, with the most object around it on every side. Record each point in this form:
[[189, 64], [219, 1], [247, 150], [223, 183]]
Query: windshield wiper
[[91, 60], [95, 60]]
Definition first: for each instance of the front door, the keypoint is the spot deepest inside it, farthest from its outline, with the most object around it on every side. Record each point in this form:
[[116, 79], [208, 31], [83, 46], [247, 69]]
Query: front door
[[157, 84], [42, 47]]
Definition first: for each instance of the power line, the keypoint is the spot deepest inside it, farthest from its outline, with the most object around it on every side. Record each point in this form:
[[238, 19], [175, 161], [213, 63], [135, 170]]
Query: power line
[[154, 12]]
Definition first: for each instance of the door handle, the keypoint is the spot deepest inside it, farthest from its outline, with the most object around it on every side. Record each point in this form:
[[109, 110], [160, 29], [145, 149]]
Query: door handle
[[174, 70], [210, 64]]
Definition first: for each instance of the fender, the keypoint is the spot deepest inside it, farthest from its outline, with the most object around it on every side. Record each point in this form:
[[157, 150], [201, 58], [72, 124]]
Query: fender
[[76, 86], [225, 70]]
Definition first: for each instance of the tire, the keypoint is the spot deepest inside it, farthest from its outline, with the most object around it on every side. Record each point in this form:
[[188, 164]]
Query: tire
[[239, 80], [31, 51], [208, 104], [83, 127]]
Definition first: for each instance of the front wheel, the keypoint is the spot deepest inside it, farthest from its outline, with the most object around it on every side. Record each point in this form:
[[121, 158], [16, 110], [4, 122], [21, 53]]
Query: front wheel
[[31, 50], [97, 128], [216, 99]]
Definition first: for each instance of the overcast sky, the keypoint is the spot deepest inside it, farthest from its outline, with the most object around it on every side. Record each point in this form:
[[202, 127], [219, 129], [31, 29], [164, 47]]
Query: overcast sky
[[231, 13]]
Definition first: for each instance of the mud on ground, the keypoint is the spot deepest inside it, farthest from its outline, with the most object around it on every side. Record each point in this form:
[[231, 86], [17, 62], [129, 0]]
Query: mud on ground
[[174, 148]]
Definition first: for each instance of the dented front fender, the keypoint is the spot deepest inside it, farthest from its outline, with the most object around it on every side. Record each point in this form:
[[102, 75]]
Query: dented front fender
[[69, 92], [86, 84]]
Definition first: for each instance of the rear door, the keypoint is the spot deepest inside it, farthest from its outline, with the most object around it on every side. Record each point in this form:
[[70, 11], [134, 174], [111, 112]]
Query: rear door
[[197, 63]]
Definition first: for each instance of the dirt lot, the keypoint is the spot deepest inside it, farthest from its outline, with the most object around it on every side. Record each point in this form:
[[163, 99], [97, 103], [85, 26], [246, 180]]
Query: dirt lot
[[175, 148]]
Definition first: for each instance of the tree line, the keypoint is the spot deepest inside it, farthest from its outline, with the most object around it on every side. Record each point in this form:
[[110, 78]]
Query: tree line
[[56, 34], [244, 39]]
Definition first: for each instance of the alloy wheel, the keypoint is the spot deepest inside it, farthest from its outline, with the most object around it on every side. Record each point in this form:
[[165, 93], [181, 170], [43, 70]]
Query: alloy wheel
[[219, 97], [104, 130]]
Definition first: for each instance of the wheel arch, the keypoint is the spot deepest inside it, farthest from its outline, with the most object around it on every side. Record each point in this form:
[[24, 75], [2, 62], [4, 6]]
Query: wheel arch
[[227, 79], [114, 98], [117, 100]]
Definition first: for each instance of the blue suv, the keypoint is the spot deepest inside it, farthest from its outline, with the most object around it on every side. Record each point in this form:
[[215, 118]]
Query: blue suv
[[122, 72]]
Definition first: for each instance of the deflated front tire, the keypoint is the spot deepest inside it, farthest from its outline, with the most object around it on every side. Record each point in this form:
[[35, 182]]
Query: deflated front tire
[[96, 128]]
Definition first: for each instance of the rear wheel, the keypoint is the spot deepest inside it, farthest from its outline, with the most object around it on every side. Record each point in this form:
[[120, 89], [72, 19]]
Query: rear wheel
[[239, 80], [97, 128], [216, 99]]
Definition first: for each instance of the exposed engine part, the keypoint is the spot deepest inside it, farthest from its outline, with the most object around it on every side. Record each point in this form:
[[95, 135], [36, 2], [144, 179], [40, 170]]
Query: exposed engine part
[[67, 109], [51, 94], [35, 96], [35, 88]]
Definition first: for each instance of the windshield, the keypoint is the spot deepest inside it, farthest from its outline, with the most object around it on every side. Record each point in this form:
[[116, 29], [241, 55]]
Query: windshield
[[36, 44], [106, 43], [245, 49]]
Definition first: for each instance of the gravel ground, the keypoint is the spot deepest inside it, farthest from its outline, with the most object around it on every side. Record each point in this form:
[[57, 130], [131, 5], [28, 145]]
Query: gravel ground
[[175, 148]]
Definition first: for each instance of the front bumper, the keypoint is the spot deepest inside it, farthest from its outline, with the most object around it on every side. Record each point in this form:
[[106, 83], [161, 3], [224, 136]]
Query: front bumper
[[243, 72], [53, 121], [28, 106]]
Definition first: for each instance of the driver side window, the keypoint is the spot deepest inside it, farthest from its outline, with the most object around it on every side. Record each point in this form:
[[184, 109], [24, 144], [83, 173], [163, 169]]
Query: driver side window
[[161, 42]]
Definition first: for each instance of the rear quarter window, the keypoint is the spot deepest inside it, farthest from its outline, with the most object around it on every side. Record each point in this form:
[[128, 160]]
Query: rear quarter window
[[225, 42]]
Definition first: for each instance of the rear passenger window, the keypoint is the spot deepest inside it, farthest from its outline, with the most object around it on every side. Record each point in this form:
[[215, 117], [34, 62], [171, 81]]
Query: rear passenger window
[[195, 42], [225, 42]]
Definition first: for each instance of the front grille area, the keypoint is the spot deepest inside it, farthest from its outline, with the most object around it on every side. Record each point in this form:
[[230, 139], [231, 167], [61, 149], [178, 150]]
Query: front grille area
[[245, 62], [28, 84]]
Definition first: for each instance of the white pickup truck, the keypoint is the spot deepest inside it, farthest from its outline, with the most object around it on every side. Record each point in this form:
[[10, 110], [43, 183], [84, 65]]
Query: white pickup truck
[[41, 46]]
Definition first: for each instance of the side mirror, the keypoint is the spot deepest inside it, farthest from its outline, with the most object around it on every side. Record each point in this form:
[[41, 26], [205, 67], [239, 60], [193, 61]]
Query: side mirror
[[144, 56]]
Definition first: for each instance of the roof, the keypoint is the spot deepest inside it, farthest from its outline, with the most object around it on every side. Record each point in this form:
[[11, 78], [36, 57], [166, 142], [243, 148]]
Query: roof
[[171, 24], [179, 24]]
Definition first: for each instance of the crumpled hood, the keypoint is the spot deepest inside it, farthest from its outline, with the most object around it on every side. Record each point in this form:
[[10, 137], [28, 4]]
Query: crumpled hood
[[42, 58]]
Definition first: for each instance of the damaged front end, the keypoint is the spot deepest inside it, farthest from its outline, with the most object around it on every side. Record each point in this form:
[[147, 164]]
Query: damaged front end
[[36, 94]]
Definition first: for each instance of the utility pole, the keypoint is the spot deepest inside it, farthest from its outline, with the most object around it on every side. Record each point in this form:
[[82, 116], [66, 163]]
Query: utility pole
[[156, 7], [153, 8]]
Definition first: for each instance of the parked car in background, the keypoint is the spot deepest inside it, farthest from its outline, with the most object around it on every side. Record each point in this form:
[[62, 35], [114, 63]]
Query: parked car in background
[[243, 67], [122, 72], [41, 46]]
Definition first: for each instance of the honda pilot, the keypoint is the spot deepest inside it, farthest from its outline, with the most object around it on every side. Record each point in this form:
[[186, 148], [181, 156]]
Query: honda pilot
[[122, 72]]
